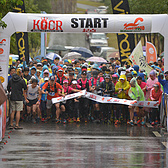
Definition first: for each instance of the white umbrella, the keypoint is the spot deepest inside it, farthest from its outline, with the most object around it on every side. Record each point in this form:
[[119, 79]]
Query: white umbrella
[[72, 55], [96, 59], [52, 56]]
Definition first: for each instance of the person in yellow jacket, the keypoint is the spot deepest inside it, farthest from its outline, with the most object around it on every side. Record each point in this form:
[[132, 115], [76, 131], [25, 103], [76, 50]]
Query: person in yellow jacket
[[121, 88]]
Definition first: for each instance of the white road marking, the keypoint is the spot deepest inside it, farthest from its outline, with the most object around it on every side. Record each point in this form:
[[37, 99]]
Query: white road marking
[[157, 134]]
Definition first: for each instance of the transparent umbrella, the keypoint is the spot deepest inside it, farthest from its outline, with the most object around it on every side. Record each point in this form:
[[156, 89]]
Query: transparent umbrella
[[96, 59], [52, 56], [72, 55]]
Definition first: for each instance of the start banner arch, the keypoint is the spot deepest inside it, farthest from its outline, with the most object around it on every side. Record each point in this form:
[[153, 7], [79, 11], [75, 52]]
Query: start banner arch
[[78, 23]]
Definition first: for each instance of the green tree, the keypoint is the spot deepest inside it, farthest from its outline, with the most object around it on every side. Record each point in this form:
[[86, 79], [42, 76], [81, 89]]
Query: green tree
[[7, 6], [44, 5]]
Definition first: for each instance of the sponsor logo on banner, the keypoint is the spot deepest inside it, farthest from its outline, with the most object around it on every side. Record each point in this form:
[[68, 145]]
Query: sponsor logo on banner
[[46, 24], [1, 51], [138, 25], [2, 42], [89, 24]]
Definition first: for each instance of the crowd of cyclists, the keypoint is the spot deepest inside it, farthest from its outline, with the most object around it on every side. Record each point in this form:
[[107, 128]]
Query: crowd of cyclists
[[43, 80]]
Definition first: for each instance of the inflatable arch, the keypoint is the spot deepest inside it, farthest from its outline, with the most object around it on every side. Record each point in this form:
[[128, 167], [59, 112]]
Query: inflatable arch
[[75, 23]]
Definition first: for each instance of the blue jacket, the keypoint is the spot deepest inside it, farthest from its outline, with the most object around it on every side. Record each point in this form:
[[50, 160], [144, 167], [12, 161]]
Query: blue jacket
[[164, 84]]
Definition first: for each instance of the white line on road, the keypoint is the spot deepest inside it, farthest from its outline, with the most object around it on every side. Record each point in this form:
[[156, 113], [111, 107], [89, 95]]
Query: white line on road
[[165, 144], [157, 134]]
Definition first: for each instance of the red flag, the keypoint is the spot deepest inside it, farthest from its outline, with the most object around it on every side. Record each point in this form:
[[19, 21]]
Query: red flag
[[151, 53]]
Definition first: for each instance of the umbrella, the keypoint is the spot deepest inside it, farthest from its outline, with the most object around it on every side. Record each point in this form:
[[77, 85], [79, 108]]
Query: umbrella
[[52, 56], [57, 48], [96, 59], [114, 54], [83, 51], [38, 57], [72, 55]]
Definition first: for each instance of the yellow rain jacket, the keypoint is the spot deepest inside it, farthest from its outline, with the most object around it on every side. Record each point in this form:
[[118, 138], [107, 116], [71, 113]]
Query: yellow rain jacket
[[125, 86]]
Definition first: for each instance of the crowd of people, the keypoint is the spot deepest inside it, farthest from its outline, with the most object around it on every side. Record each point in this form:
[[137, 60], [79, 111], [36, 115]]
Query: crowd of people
[[32, 87]]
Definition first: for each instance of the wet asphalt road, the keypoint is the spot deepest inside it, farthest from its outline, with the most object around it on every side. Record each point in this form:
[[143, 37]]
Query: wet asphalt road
[[47, 145]]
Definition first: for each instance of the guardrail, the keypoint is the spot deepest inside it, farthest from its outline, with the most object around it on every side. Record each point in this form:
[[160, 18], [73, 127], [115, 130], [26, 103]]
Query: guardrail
[[163, 111]]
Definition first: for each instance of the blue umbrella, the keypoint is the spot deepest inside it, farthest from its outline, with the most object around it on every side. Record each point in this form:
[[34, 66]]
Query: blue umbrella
[[83, 51], [52, 56]]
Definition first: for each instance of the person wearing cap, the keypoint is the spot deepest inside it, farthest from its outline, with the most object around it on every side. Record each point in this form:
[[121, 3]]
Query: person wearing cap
[[84, 102], [129, 77], [39, 66], [33, 100], [94, 82], [60, 76], [53, 91], [16, 85], [155, 95], [121, 88], [107, 88], [43, 101], [45, 74], [134, 73], [67, 108]]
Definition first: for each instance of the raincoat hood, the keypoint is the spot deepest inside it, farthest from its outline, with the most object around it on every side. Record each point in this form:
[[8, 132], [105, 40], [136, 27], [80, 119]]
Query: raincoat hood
[[123, 77], [136, 92], [136, 68]]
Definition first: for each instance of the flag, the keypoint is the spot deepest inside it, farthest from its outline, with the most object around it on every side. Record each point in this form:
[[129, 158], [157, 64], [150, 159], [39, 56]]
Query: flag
[[137, 58], [22, 37], [126, 42], [151, 53]]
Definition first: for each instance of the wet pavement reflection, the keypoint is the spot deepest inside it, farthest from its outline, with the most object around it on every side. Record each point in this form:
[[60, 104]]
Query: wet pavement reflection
[[90, 145]]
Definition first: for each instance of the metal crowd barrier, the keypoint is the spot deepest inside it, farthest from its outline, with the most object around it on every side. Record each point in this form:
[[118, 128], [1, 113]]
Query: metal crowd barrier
[[163, 110]]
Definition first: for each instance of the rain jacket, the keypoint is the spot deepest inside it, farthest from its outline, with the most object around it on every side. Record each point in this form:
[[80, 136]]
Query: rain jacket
[[150, 83], [125, 86], [44, 68], [156, 96], [136, 93]]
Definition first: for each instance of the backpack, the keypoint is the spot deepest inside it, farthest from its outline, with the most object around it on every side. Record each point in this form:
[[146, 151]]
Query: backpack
[[60, 82], [97, 83], [87, 84], [55, 88]]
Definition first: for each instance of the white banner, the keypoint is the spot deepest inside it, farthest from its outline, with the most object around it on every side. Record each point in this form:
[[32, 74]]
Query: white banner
[[137, 58], [4, 60], [101, 99], [70, 96], [88, 23]]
